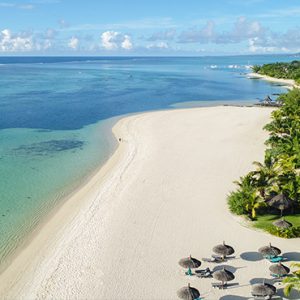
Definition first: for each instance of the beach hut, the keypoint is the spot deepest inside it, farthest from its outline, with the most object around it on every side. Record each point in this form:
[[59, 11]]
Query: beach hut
[[223, 275], [279, 270], [280, 202], [269, 250], [223, 250], [263, 290], [188, 293]]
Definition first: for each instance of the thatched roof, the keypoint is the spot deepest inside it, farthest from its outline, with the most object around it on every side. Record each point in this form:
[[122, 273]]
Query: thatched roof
[[190, 262], [188, 293], [223, 275], [279, 269], [263, 289], [223, 249], [269, 250], [282, 224], [280, 201]]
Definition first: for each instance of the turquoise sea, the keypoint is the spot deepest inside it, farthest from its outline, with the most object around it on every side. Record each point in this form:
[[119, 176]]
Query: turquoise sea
[[56, 115]]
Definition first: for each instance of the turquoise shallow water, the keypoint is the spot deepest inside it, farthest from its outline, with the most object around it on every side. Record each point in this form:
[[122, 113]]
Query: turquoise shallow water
[[56, 116], [39, 168]]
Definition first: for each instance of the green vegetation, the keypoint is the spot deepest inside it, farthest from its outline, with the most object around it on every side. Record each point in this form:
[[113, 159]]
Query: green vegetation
[[292, 282], [265, 222], [278, 177], [280, 70]]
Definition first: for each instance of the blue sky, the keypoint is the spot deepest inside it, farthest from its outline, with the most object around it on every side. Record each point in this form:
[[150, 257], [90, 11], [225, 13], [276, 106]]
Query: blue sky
[[144, 27]]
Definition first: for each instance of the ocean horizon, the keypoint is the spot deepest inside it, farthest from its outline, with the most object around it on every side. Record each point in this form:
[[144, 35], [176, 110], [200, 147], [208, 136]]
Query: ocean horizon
[[56, 115]]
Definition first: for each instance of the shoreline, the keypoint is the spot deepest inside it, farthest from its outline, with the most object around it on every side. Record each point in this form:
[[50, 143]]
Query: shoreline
[[73, 188], [289, 83], [118, 207], [57, 216], [26, 241]]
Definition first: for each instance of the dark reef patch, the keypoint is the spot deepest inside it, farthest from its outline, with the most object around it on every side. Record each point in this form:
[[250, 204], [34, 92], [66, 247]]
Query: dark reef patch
[[48, 147]]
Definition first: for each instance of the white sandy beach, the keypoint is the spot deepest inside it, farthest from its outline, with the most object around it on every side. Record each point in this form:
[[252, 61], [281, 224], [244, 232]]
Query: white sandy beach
[[161, 197], [290, 83]]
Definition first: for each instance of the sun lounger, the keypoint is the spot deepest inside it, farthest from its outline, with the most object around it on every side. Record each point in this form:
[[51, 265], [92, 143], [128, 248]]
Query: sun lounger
[[203, 270], [213, 260], [275, 259], [219, 285], [277, 276], [204, 275], [217, 257], [257, 297]]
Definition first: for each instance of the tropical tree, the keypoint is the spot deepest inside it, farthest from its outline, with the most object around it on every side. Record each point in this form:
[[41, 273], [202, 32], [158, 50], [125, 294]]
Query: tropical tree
[[263, 175], [280, 172], [292, 282], [246, 200]]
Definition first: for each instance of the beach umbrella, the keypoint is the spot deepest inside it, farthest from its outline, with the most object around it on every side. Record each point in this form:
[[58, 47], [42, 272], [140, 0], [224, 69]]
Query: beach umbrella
[[223, 275], [263, 290], [223, 250], [188, 293], [279, 269], [269, 250], [190, 263], [280, 202], [282, 224]]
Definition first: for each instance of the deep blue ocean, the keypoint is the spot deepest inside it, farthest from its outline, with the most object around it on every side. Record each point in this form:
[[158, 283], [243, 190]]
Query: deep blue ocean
[[56, 115]]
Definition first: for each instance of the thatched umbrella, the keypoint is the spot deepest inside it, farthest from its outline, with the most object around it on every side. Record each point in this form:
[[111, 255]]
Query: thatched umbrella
[[280, 202], [269, 250], [263, 290], [279, 269], [188, 293], [223, 275], [190, 263], [223, 250], [282, 224]]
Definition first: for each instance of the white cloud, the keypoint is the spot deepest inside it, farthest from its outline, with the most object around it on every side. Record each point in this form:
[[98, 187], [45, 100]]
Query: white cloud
[[15, 5], [205, 35], [126, 44], [73, 43], [160, 45], [242, 30], [26, 6], [148, 23], [166, 35], [108, 39], [288, 41], [50, 33], [113, 40], [255, 47], [14, 43], [47, 44]]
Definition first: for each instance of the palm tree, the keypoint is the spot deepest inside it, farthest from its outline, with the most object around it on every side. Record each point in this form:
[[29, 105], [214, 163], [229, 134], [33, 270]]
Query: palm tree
[[292, 282], [254, 202], [251, 198], [263, 175], [287, 180]]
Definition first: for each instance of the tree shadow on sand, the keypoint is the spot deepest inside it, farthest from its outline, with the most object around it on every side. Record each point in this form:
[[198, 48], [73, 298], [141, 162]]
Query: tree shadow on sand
[[251, 256], [232, 297], [294, 295], [292, 256], [261, 280]]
